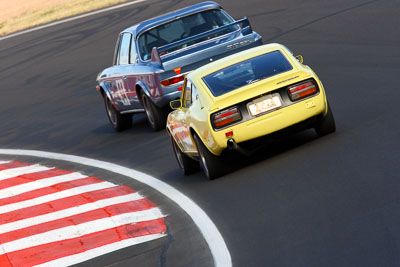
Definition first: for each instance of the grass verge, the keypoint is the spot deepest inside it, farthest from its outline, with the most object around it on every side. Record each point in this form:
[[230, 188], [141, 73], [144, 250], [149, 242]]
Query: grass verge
[[36, 12]]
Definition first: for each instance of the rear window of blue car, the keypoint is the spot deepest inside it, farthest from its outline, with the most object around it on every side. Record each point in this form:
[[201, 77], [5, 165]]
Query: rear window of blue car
[[246, 72], [182, 28]]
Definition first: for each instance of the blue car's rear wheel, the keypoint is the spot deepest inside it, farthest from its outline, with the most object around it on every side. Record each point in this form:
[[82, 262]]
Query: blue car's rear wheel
[[119, 121], [187, 164], [155, 116]]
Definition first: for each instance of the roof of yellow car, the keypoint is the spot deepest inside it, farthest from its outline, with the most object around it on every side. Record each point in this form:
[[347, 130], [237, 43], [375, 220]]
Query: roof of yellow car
[[235, 58]]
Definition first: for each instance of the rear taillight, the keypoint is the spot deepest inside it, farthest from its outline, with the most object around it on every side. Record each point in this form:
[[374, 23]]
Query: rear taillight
[[299, 91], [173, 80], [226, 117]]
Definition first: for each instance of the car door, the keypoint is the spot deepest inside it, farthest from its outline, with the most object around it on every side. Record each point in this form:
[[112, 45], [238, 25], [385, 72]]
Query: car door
[[131, 76], [182, 118], [189, 97], [119, 86]]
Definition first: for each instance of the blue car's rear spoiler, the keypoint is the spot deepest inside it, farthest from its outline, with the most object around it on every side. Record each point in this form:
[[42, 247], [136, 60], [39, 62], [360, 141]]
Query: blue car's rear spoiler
[[244, 25]]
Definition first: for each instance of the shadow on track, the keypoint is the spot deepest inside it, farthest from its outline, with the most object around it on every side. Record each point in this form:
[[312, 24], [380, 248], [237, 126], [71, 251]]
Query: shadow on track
[[265, 151], [271, 148], [139, 126]]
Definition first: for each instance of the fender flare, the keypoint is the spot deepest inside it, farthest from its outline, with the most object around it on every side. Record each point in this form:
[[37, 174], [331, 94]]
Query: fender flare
[[141, 86], [193, 131], [104, 90]]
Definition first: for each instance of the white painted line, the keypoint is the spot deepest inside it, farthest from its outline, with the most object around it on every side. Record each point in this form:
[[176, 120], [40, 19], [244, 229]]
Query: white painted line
[[63, 194], [208, 229], [72, 19], [82, 229], [27, 187], [8, 227], [3, 162], [93, 253], [10, 173]]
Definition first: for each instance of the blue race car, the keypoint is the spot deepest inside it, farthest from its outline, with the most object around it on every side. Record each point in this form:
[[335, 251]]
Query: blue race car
[[152, 58]]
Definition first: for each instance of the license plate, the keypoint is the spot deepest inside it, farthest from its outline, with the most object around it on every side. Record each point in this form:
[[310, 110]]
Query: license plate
[[264, 104]]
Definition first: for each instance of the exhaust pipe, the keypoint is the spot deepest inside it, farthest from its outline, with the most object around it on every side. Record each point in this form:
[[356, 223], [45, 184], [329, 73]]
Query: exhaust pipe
[[232, 145]]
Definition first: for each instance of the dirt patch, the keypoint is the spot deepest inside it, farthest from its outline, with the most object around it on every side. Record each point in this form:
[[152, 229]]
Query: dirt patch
[[21, 14]]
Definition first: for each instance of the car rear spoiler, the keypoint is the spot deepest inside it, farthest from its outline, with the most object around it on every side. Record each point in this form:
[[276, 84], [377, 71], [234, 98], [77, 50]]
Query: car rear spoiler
[[243, 23]]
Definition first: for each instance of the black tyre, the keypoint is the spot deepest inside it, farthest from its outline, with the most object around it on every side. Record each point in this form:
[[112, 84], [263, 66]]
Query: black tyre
[[326, 125], [156, 117], [119, 121], [212, 165], [187, 164]]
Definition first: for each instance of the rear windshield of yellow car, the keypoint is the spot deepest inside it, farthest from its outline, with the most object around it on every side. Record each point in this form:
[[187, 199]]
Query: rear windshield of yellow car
[[246, 72]]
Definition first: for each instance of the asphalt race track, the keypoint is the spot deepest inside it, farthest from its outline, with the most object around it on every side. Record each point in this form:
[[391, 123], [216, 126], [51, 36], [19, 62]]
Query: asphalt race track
[[300, 201]]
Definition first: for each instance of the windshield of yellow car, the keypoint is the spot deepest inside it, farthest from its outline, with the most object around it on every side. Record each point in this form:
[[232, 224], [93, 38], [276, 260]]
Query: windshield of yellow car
[[246, 72], [183, 28]]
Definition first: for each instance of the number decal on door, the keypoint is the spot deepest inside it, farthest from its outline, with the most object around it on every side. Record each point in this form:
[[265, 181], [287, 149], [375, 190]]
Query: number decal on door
[[120, 93]]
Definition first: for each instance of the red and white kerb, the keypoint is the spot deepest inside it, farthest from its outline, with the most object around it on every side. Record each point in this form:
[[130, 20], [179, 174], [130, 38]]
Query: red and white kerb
[[54, 217]]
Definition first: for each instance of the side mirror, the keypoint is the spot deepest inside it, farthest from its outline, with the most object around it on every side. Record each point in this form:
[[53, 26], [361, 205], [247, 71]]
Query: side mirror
[[300, 58], [175, 104]]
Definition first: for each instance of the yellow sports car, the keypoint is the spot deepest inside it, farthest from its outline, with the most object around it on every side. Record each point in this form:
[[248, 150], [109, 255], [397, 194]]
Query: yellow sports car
[[230, 102]]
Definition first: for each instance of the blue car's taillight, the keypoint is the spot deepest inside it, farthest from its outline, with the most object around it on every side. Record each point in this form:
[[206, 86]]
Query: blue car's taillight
[[173, 80]]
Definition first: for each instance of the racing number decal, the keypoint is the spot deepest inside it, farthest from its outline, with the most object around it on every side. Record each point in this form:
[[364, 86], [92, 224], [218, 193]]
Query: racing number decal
[[120, 93]]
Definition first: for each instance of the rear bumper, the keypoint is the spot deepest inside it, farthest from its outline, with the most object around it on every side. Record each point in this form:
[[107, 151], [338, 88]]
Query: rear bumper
[[270, 123], [169, 95]]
